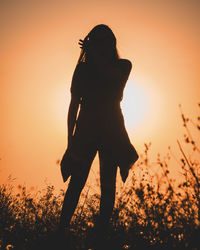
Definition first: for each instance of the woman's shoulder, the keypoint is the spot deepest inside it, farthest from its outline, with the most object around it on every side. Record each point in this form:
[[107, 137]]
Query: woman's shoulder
[[125, 63]]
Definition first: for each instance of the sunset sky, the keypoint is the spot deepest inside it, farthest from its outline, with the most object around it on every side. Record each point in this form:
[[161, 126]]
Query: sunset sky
[[39, 51]]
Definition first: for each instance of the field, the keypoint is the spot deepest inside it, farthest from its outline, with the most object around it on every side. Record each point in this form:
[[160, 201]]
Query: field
[[151, 213]]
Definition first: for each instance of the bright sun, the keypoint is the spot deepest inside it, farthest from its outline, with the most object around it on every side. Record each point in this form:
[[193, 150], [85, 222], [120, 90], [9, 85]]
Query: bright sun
[[135, 105]]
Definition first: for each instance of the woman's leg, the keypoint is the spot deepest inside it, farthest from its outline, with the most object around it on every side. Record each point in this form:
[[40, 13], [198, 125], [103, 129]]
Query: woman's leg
[[108, 171], [71, 198]]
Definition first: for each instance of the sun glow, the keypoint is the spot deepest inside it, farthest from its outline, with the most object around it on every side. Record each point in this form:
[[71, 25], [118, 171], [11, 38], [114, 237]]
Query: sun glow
[[135, 105]]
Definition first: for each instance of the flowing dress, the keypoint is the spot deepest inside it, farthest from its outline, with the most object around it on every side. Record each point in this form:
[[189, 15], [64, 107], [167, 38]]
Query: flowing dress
[[100, 123]]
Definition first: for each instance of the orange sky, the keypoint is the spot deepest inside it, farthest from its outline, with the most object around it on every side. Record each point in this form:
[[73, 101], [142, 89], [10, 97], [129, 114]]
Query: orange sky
[[39, 50]]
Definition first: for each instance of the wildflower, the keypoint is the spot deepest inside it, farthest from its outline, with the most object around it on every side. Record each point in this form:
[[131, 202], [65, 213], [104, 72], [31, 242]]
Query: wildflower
[[9, 247]]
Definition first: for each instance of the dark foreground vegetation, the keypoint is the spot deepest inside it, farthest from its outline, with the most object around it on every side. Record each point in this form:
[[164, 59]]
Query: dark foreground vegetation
[[151, 212]]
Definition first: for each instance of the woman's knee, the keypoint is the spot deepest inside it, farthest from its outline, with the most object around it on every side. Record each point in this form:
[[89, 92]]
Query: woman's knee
[[76, 184], [108, 180]]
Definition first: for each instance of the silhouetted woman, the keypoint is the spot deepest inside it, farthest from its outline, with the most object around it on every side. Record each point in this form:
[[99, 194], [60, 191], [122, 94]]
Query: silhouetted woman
[[97, 88]]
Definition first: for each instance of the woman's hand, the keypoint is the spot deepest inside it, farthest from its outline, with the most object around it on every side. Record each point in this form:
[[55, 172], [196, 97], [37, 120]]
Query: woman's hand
[[94, 47], [84, 44]]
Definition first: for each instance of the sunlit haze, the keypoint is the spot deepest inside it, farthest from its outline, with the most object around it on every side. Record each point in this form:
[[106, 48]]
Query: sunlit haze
[[39, 51]]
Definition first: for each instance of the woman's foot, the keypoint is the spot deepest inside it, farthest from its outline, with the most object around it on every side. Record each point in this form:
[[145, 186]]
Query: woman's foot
[[62, 237]]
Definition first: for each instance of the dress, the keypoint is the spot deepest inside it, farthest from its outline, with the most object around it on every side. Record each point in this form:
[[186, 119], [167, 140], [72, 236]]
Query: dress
[[100, 123]]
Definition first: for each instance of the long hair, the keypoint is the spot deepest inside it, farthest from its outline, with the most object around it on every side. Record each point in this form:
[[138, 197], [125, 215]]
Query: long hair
[[91, 36]]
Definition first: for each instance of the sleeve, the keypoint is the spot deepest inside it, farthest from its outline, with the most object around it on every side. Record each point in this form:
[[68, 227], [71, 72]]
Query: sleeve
[[77, 78]]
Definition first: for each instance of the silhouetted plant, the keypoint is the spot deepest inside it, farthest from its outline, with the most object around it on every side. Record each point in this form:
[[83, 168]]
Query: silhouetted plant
[[152, 211]]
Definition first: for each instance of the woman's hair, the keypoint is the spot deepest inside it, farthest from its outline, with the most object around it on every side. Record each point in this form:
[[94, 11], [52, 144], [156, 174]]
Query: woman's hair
[[92, 36]]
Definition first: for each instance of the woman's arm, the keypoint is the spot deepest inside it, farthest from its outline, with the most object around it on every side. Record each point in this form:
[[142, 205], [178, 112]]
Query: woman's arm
[[72, 114], [75, 90]]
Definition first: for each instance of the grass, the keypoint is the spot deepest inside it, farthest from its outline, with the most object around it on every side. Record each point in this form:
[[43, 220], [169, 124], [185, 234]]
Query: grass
[[150, 213]]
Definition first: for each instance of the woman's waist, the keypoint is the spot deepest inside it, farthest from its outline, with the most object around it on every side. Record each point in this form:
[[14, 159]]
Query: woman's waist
[[100, 115], [102, 104]]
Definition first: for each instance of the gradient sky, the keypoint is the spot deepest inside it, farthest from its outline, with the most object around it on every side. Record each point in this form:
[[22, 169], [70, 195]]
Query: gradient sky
[[39, 51]]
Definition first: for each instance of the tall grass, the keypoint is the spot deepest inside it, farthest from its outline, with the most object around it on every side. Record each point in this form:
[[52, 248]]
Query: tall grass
[[152, 212]]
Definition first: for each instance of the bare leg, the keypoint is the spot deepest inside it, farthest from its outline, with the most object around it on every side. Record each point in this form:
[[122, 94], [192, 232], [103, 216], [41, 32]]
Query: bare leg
[[108, 171], [71, 199]]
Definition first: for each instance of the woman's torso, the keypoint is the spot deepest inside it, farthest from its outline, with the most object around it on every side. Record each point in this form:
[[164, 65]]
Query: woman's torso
[[100, 111], [99, 93]]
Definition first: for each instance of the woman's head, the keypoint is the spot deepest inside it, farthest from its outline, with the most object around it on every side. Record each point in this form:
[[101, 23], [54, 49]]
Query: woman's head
[[102, 38]]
